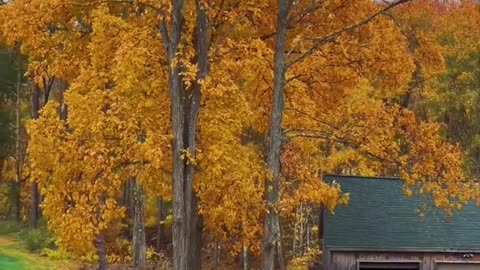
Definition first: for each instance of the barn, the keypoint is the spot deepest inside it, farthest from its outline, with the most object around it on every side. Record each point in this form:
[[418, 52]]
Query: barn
[[380, 228]]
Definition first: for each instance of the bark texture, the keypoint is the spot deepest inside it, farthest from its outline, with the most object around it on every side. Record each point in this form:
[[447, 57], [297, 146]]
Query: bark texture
[[271, 241], [101, 252], [100, 244], [18, 146], [194, 219], [160, 224], [195, 246], [62, 110], [34, 208], [139, 244], [172, 41], [245, 257], [187, 224]]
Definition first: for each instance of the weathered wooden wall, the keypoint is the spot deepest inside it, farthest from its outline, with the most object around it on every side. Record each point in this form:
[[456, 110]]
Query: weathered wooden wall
[[347, 260], [343, 261]]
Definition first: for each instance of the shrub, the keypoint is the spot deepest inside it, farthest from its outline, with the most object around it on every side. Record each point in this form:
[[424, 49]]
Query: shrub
[[121, 252], [56, 254], [36, 239], [298, 263], [163, 263]]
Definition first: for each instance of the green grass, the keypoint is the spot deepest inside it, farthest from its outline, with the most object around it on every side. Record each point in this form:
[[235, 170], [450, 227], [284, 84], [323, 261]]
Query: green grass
[[14, 257], [9, 263], [14, 254]]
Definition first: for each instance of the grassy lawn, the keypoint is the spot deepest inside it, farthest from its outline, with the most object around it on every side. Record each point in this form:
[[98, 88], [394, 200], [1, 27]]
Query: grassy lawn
[[8, 260], [13, 256]]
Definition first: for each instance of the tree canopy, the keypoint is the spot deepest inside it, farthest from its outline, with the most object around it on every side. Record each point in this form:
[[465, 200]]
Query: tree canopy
[[182, 96]]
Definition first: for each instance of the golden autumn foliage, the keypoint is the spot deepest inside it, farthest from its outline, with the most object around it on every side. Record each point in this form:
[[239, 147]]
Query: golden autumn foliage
[[342, 111], [121, 85], [448, 94]]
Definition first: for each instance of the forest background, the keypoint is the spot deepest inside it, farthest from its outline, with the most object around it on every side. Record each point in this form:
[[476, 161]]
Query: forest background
[[194, 133]]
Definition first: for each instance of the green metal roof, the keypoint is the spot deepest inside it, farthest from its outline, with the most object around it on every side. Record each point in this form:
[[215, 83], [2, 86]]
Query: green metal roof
[[380, 217]]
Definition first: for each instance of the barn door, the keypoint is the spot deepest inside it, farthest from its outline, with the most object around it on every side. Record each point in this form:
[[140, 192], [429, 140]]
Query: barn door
[[458, 266], [388, 266]]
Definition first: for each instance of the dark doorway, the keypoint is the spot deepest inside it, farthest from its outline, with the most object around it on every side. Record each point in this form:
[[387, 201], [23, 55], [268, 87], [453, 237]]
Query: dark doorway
[[389, 266]]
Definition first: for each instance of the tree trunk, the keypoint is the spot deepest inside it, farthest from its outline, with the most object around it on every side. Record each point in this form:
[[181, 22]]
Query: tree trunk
[[245, 257], [160, 224], [295, 231], [195, 247], [128, 200], [35, 209], [139, 244], [101, 252], [18, 146], [280, 259], [217, 249], [193, 218], [100, 240], [62, 113], [18, 209], [320, 227], [180, 237], [187, 224], [307, 228], [301, 233], [272, 186]]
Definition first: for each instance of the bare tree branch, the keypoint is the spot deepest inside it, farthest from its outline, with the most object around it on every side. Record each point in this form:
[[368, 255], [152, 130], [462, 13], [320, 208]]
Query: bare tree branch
[[312, 117], [312, 7], [318, 42]]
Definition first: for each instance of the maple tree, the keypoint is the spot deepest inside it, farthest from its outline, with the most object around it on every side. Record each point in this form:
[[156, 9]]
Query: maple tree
[[92, 84], [272, 244], [408, 151]]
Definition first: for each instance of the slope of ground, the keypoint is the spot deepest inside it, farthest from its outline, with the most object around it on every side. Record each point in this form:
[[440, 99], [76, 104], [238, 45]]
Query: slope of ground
[[13, 257]]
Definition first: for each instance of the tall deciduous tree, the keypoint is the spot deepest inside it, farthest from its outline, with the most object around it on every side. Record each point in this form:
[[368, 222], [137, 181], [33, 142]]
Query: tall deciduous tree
[[272, 239], [123, 106], [185, 108]]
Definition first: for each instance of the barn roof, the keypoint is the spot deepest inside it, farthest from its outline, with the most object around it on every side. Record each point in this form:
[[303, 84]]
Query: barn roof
[[380, 217]]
